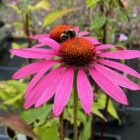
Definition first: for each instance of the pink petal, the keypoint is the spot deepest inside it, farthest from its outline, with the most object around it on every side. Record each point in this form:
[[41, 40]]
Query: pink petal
[[84, 91], [40, 36], [45, 40], [45, 83], [63, 91], [34, 53], [83, 33], [93, 40], [76, 29], [29, 69], [50, 42], [105, 46], [38, 76], [124, 54], [41, 86], [117, 78], [108, 87], [50, 90], [120, 67]]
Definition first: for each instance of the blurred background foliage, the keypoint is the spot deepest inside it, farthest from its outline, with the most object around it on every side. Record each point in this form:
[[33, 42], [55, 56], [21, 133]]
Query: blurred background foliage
[[45, 14], [105, 19]]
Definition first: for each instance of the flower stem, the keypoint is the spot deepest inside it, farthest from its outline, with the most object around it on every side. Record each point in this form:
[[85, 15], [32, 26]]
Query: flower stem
[[75, 127], [61, 127], [103, 127], [93, 122], [27, 33], [25, 21]]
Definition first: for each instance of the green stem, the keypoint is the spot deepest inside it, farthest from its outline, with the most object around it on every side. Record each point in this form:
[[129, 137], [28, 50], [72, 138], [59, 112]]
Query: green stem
[[105, 39], [93, 122], [90, 15], [61, 127], [75, 128], [103, 127], [27, 33]]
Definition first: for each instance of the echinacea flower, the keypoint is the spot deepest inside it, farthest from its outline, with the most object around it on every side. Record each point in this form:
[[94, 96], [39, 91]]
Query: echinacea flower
[[81, 54]]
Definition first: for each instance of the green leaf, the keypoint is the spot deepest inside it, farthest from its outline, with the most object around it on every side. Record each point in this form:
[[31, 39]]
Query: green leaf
[[85, 134], [40, 113], [44, 4], [13, 100], [24, 2], [53, 16], [95, 109], [68, 112], [18, 25], [14, 8], [100, 104], [68, 115], [111, 109], [48, 133], [11, 92], [122, 16], [98, 21], [91, 3], [24, 6], [67, 139], [17, 46]]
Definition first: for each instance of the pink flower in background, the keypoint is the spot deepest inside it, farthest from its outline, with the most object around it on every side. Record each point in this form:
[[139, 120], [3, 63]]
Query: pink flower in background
[[84, 54], [123, 37]]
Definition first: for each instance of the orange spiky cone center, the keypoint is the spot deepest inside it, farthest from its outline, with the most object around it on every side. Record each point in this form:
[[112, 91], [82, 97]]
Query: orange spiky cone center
[[77, 51]]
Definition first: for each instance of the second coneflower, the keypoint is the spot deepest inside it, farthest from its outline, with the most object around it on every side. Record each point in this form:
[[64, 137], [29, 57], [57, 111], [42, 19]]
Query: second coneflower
[[81, 54]]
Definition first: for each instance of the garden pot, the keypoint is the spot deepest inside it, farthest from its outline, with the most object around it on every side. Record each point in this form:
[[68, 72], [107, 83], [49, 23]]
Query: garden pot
[[10, 134]]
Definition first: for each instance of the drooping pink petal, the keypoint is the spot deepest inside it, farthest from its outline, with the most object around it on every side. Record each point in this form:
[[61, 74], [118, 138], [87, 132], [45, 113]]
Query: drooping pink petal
[[117, 78], [63, 91], [45, 83], [93, 40], [76, 29], [51, 89], [34, 53], [29, 69], [83, 33], [84, 91], [120, 67], [104, 46], [46, 41], [40, 36], [124, 54], [50, 42], [38, 76], [108, 87]]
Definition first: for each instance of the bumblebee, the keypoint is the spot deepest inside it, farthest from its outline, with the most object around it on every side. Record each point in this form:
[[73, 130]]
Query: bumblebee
[[68, 34]]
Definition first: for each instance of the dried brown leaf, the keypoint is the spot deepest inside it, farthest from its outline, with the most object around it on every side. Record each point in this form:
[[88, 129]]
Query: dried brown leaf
[[123, 4], [17, 124]]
